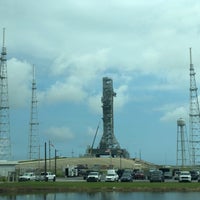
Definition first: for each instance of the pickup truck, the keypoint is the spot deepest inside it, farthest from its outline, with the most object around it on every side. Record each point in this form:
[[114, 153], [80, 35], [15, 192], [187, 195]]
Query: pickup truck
[[49, 176], [28, 176], [93, 177]]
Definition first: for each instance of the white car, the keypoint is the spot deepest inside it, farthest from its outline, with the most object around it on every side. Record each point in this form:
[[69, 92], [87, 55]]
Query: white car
[[185, 176], [49, 176], [112, 177], [29, 176]]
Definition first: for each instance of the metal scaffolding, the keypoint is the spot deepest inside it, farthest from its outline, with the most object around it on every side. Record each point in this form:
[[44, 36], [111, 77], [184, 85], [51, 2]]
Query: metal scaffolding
[[34, 146], [108, 140], [108, 144], [194, 118], [5, 142]]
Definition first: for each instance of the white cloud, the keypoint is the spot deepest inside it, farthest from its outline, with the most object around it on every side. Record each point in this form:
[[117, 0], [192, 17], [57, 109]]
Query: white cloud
[[68, 36], [19, 82], [172, 114], [59, 134], [122, 96], [63, 92], [85, 65], [94, 103]]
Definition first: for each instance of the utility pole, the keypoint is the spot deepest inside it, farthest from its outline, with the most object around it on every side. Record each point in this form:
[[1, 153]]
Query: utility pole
[[55, 161], [5, 142], [49, 155], [45, 160]]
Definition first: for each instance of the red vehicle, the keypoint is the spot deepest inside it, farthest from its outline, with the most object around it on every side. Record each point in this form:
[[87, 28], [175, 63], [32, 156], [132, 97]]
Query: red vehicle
[[139, 175]]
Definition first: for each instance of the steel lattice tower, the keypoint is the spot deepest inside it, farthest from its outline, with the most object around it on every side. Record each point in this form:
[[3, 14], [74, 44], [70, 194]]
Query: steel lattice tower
[[194, 118], [108, 140], [34, 147], [182, 156], [5, 142]]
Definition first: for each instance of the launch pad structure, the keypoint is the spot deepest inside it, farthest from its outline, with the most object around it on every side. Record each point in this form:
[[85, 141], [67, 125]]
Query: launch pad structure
[[108, 144]]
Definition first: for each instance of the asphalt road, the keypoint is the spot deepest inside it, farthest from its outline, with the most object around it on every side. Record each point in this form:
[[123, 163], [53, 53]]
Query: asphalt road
[[80, 179]]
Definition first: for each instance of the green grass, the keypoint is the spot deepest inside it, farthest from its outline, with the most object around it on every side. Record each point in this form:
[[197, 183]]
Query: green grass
[[30, 187]]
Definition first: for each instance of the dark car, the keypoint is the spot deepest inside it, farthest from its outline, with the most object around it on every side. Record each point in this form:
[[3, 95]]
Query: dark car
[[139, 175], [156, 176], [126, 177], [168, 175], [194, 175]]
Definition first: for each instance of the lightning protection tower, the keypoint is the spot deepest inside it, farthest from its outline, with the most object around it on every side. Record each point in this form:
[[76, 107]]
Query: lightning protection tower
[[34, 147], [5, 143], [194, 118], [182, 156]]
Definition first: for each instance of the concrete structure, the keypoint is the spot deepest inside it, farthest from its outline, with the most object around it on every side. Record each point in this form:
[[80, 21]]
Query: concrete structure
[[8, 169], [182, 154]]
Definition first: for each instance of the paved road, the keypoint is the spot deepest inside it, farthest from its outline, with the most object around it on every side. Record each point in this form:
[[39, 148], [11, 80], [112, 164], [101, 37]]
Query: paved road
[[80, 179]]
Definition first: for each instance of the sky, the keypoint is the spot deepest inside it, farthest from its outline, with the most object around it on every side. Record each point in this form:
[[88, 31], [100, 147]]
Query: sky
[[142, 45]]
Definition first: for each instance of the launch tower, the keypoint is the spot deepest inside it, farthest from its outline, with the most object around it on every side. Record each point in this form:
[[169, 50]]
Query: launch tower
[[5, 143], [108, 140], [108, 144]]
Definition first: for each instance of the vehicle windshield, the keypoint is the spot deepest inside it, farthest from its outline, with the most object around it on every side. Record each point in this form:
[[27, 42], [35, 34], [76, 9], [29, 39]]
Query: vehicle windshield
[[126, 175], [110, 175], [26, 174], [93, 173], [185, 173]]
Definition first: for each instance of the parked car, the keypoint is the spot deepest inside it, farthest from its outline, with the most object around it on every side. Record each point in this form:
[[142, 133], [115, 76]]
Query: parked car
[[156, 176], [111, 176], [139, 175], [48, 176], [126, 177], [168, 175], [185, 176], [176, 175], [93, 177], [29, 176], [85, 174], [194, 174]]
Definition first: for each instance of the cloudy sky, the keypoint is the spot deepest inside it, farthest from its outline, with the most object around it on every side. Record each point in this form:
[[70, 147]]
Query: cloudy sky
[[142, 45]]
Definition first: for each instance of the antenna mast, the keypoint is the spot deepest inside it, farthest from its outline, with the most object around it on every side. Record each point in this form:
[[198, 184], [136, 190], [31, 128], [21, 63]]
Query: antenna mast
[[5, 143], [194, 118], [34, 147]]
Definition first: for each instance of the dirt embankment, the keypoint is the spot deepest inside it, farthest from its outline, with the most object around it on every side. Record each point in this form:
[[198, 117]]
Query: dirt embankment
[[102, 163]]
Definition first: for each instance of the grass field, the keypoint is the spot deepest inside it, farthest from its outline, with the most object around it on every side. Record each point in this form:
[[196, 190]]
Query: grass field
[[35, 187]]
